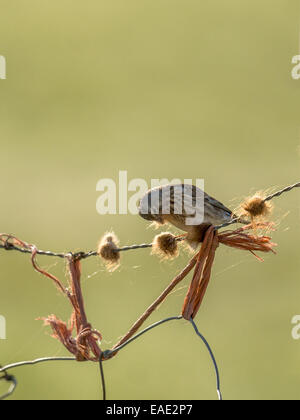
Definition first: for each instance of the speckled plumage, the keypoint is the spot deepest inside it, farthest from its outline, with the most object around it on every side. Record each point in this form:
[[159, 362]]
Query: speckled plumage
[[165, 204]]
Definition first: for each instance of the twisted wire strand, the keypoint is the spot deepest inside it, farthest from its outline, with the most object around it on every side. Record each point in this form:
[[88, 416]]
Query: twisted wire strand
[[268, 198], [284, 190], [80, 255]]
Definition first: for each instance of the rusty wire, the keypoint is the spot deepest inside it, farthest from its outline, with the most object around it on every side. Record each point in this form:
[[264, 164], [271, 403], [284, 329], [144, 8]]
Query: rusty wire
[[86, 338]]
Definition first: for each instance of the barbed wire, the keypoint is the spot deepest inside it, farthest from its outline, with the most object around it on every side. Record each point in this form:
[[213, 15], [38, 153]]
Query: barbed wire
[[11, 243]]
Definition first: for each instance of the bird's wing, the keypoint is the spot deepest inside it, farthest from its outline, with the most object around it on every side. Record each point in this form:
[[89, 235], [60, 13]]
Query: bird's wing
[[184, 199], [216, 203]]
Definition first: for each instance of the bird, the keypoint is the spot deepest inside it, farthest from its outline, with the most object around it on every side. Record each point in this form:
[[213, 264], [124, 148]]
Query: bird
[[186, 207]]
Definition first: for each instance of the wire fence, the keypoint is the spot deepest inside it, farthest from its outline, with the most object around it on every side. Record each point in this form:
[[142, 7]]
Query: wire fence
[[84, 342]]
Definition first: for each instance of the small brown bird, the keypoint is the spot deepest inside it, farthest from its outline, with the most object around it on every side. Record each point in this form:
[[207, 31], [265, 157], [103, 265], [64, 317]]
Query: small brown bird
[[187, 207]]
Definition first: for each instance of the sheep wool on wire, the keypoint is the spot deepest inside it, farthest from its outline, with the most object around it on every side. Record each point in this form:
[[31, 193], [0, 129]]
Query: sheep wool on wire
[[108, 250]]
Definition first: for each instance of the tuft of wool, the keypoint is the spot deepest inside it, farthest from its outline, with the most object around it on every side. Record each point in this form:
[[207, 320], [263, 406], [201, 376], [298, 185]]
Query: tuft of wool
[[165, 245], [108, 250], [256, 207]]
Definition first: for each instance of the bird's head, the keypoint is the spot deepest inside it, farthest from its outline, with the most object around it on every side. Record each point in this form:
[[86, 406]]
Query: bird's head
[[150, 207]]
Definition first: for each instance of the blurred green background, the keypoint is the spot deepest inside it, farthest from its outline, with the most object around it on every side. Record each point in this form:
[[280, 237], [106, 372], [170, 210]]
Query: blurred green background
[[176, 89]]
